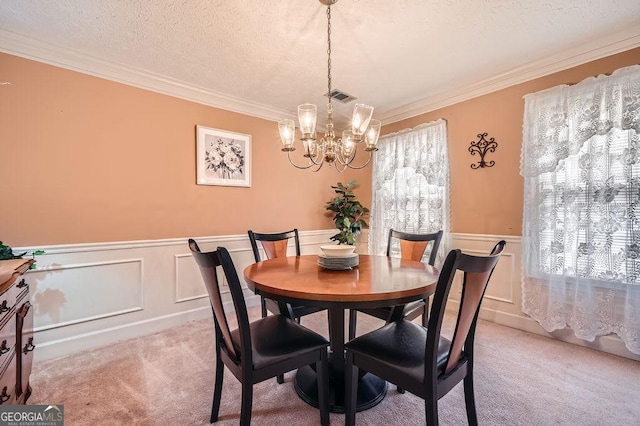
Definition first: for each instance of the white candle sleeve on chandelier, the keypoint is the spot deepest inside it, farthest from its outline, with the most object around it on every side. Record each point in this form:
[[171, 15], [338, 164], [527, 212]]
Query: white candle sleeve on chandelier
[[287, 129], [361, 116], [307, 115]]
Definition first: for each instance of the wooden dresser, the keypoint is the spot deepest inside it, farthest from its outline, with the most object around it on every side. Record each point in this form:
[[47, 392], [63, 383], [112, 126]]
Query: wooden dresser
[[16, 332]]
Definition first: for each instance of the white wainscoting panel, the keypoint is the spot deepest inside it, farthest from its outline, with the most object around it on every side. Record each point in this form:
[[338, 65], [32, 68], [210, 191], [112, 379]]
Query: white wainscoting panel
[[503, 292], [66, 295], [91, 295], [189, 284]]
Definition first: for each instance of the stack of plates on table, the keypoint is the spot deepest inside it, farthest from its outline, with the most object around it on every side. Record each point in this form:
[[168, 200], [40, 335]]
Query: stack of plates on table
[[338, 263]]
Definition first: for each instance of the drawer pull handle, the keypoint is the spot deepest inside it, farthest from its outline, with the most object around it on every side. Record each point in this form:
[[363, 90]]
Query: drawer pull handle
[[4, 307], [29, 346], [3, 348], [22, 284], [4, 397]]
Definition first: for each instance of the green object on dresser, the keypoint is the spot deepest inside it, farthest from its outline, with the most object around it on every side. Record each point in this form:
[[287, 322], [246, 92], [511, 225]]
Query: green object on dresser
[[6, 253]]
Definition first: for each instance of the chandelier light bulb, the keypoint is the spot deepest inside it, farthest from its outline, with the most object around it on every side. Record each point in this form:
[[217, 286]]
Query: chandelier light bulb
[[287, 129], [360, 121], [372, 135], [310, 147], [307, 116], [348, 144]]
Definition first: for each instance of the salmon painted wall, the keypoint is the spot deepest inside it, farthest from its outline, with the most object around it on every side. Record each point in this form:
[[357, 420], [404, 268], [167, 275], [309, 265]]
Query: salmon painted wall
[[85, 159], [90, 160], [489, 200]]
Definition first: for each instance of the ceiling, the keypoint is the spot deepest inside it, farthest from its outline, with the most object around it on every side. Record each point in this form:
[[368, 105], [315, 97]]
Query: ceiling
[[263, 58]]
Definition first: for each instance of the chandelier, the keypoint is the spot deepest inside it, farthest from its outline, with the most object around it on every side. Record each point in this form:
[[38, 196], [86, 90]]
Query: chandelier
[[339, 152]]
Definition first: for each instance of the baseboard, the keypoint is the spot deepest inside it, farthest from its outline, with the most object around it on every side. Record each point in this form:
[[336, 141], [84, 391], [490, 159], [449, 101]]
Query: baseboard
[[92, 340], [610, 344]]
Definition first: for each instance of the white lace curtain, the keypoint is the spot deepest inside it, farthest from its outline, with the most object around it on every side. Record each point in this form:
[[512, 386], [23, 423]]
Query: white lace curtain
[[410, 185], [581, 228]]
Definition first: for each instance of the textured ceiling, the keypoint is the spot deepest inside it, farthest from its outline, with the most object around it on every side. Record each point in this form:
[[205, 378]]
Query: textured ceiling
[[271, 55]]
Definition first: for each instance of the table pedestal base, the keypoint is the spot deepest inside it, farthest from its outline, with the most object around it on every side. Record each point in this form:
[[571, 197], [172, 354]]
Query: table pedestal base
[[371, 390]]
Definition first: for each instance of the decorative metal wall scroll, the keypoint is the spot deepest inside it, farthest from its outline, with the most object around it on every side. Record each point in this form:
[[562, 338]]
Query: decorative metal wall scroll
[[481, 147]]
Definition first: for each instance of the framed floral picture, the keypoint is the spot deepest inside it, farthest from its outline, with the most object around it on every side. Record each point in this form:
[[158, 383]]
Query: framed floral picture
[[223, 158]]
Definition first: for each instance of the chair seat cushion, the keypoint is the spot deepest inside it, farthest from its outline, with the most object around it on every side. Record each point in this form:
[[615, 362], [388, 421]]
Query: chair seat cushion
[[276, 338], [400, 346]]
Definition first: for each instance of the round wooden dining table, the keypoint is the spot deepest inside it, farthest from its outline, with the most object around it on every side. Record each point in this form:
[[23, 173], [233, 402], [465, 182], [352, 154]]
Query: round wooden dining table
[[377, 281]]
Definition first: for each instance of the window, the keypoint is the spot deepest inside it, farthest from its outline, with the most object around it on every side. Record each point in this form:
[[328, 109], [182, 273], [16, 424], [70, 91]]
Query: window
[[588, 211], [410, 184], [581, 230]]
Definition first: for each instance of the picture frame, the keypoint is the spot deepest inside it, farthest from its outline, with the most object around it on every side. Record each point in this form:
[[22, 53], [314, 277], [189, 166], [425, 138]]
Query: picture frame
[[222, 157]]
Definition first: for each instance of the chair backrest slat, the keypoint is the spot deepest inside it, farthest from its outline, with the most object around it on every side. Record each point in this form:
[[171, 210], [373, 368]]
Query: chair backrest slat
[[412, 250], [477, 271], [275, 249], [274, 245], [413, 246], [208, 262]]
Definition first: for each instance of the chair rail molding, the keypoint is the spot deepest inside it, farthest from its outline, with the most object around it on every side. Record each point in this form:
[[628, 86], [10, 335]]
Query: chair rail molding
[[94, 294], [91, 295]]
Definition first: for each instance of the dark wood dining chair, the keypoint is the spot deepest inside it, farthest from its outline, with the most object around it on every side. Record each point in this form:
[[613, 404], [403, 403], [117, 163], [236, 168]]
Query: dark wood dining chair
[[259, 350], [420, 359], [275, 245], [412, 247]]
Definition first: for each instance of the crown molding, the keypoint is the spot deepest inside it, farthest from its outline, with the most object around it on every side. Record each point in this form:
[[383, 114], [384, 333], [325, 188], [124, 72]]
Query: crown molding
[[596, 49], [29, 48], [51, 54]]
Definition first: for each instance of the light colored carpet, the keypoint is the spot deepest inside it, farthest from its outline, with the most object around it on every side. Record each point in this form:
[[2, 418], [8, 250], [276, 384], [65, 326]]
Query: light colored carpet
[[167, 379]]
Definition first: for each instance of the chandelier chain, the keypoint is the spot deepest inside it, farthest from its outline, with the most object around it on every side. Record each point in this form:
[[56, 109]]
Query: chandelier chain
[[329, 52]]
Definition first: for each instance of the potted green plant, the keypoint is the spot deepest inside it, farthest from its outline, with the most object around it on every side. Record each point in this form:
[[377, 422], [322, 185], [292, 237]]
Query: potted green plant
[[6, 253], [349, 213]]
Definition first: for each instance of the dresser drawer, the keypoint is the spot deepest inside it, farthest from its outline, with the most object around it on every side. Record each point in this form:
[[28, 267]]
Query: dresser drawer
[[8, 383], [7, 339], [8, 300], [16, 315], [22, 287]]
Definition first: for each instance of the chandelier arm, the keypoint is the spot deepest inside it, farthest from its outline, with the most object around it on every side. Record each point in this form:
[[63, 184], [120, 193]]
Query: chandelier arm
[[341, 170], [318, 160], [301, 167], [361, 166], [345, 161]]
